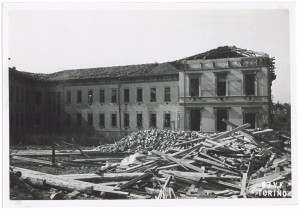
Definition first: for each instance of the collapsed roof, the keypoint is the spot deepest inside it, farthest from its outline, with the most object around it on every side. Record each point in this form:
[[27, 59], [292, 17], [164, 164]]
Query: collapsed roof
[[152, 69]]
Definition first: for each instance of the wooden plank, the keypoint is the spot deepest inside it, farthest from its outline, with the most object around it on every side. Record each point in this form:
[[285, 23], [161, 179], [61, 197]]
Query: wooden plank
[[67, 184], [97, 159], [178, 161], [32, 160], [259, 138], [195, 176], [103, 176], [146, 175]]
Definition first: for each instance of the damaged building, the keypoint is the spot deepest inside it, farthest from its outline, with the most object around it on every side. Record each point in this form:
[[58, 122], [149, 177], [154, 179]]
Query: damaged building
[[194, 93]]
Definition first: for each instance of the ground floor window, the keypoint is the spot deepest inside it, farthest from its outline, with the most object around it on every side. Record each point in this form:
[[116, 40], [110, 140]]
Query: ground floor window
[[251, 119], [220, 115], [195, 119]]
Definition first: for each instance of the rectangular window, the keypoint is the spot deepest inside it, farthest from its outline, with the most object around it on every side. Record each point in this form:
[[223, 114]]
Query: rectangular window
[[167, 94], [90, 119], [102, 120], [113, 120], [139, 94], [167, 120], [126, 120], [153, 120], [79, 97], [221, 114], [11, 94], [79, 119], [126, 95], [251, 119], [68, 97], [221, 85], [152, 94], [22, 95], [194, 87], [249, 84], [90, 97], [139, 120], [38, 98], [102, 96], [68, 119], [17, 94], [114, 95]]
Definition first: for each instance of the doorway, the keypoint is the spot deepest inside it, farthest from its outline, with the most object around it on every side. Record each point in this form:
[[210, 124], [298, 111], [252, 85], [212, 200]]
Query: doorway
[[221, 114], [250, 118], [195, 119]]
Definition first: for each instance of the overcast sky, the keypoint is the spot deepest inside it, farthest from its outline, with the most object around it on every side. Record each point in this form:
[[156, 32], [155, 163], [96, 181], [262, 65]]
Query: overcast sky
[[50, 40]]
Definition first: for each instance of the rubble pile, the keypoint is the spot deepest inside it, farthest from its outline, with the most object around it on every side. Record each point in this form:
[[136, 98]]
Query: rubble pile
[[147, 140], [178, 164]]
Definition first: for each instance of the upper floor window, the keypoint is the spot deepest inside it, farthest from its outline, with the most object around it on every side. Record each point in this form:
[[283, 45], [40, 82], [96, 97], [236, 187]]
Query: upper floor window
[[114, 95], [249, 84], [102, 96], [38, 97], [68, 97], [139, 95], [194, 90], [221, 84], [167, 94], [90, 97], [153, 94], [126, 95], [79, 97]]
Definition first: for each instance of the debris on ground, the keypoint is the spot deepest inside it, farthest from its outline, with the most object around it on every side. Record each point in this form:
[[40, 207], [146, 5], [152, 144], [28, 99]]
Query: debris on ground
[[166, 164]]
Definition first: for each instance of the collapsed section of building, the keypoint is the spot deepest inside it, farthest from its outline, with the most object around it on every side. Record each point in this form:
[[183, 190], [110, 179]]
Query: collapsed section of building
[[194, 93]]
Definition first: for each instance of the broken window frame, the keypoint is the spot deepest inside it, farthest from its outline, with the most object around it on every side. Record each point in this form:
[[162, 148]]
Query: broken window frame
[[216, 117], [254, 87], [153, 94], [219, 76], [255, 119]]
